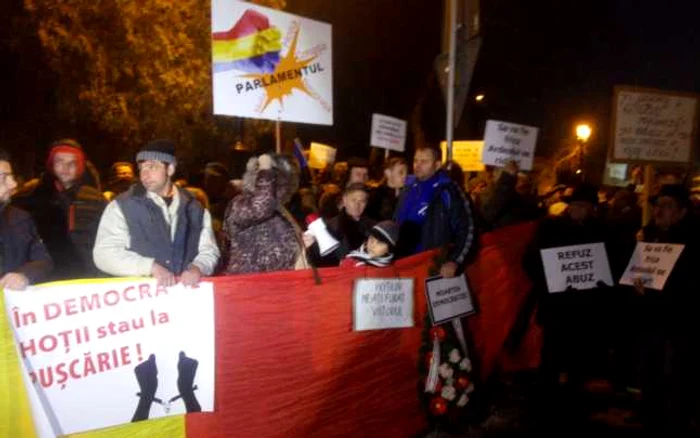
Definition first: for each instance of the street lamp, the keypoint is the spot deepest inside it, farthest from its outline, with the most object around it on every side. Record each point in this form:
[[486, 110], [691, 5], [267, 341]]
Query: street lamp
[[479, 97], [583, 132]]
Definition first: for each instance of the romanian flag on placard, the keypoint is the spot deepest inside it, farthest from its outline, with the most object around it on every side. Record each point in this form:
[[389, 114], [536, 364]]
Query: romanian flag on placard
[[252, 45]]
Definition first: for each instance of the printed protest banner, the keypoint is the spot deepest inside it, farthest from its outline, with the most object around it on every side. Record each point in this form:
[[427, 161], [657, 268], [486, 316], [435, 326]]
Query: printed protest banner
[[504, 142], [388, 133], [321, 156], [653, 126], [652, 263], [465, 153], [448, 298], [578, 266], [382, 303], [102, 353], [269, 64]]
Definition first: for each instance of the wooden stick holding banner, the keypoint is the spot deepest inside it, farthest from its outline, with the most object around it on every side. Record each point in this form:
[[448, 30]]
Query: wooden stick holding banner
[[646, 209], [278, 136]]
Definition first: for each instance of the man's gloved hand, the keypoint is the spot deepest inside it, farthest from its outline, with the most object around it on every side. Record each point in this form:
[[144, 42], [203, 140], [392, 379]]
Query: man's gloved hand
[[187, 369], [147, 377]]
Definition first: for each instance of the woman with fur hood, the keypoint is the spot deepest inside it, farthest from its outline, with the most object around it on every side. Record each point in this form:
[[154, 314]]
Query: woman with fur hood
[[262, 234]]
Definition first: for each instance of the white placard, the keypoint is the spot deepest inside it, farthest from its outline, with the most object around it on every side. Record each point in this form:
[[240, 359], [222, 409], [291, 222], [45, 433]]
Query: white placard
[[465, 153], [504, 142], [388, 133], [652, 263], [578, 266], [448, 298], [83, 344], [321, 156], [617, 171], [653, 126], [271, 65], [382, 303]]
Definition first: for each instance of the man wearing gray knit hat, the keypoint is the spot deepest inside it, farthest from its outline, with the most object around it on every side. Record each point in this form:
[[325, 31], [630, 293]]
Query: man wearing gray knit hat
[[155, 228]]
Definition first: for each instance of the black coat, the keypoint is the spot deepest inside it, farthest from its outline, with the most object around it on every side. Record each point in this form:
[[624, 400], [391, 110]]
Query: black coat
[[67, 221], [22, 250]]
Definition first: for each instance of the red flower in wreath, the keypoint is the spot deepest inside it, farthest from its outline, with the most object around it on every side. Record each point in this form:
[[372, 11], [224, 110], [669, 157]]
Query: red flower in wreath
[[462, 381], [439, 332], [438, 406]]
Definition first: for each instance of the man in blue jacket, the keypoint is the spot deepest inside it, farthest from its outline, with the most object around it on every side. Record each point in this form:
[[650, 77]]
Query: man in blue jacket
[[24, 259], [433, 212]]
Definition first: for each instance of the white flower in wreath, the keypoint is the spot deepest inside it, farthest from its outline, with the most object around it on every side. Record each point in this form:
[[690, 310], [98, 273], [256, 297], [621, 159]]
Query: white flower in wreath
[[454, 356], [448, 392], [463, 400], [466, 365], [445, 371], [469, 389]]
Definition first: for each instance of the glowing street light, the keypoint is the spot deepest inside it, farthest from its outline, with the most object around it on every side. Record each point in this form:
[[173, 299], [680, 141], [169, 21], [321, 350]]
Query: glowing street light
[[479, 97], [583, 132]]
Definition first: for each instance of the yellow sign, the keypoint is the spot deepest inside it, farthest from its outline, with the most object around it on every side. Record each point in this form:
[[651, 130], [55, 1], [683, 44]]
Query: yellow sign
[[465, 153], [321, 156]]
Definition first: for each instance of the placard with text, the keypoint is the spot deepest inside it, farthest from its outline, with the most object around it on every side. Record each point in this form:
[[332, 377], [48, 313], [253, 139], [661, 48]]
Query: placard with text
[[382, 303], [652, 264], [102, 353], [653, 126], [578, 267], [448, 298], [388, 133], [504, 142]]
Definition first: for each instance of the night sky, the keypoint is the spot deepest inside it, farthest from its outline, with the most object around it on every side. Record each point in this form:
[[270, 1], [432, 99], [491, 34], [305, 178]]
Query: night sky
[[547, 63]]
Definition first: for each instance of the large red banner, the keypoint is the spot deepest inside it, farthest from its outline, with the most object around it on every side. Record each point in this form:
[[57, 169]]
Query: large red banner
[[288, 363]]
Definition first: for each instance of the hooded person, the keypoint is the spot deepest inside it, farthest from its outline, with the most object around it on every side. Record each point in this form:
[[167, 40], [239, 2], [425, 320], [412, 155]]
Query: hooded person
[[378, 249], [262, 235], [66, 205]]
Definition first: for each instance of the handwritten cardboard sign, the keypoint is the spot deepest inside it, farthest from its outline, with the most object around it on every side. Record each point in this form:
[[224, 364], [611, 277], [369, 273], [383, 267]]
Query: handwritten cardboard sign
[[504, 142], [578, 266], [382, 303], [652, 263], [388, 133], [448, 298], [653, 126], [465, 153]]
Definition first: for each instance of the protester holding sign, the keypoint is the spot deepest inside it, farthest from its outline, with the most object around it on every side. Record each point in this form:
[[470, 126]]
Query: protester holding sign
[[573, 321], [669, 317], [382, 202], [156, 228], [24, 259], [262, 234], [510, 200]]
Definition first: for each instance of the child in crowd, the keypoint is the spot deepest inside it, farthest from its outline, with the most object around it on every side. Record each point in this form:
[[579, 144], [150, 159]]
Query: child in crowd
[[378, 249]]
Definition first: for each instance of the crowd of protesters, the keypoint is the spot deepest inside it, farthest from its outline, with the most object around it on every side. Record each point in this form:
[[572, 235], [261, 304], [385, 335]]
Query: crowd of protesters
[[145, 222]]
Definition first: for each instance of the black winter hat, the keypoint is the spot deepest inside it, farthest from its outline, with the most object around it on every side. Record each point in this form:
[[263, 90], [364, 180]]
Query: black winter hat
[[159, 150], [387, 232]]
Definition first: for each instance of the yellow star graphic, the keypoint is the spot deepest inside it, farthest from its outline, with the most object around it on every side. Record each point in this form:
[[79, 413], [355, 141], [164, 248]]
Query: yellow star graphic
[[286, 77]]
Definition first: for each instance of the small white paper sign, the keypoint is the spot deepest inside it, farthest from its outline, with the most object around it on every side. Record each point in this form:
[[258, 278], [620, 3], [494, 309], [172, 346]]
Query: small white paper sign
[[448, 298], [578, 266], [504, 142], [382, 303], [388, 133], [653, 263]]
